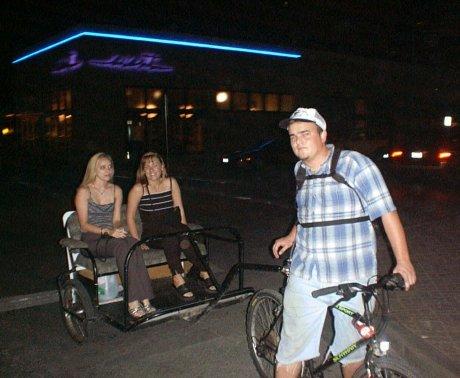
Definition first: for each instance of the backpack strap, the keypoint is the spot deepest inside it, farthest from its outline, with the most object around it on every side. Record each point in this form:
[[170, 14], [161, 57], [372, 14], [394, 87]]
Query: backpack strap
[[301, 176]]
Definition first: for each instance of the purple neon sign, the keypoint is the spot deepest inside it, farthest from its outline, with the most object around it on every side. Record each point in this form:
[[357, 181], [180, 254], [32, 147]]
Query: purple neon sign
[[68, 64], [145, 62]]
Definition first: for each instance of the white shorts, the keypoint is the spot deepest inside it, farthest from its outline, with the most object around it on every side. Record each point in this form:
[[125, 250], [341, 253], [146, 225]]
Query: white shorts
[[303, 320]]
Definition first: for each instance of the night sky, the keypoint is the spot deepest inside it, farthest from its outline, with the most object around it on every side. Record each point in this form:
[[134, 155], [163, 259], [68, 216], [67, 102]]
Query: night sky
[[422, 32]]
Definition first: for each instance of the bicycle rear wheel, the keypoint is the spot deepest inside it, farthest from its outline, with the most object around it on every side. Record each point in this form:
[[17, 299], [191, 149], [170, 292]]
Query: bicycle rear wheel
[[388, 367], [263, 328]]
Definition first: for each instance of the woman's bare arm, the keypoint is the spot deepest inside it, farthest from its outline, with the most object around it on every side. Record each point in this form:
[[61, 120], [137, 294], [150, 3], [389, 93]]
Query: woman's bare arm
[[177, 199]]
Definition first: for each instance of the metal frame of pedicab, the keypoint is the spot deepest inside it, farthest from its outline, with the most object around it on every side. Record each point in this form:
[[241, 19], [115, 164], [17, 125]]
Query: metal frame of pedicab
[[193, 309]]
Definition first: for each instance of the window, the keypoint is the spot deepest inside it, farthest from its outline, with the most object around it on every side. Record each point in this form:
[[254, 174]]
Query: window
[[58, 123], [61, 100], [287, 103], [27, 126], [256, 102], [199, 99], [154, 98], [135, 98], [271, 102], [240, 101], [59, 126]]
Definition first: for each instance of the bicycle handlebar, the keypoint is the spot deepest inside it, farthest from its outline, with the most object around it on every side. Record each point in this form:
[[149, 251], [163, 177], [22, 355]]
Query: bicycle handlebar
[[387, 282]]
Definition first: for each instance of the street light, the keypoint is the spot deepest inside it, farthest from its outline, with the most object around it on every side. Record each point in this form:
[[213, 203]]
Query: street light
[[448, 121]]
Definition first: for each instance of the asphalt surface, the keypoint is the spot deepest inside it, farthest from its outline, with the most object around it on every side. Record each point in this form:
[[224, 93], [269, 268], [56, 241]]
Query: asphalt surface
[[34, 342]]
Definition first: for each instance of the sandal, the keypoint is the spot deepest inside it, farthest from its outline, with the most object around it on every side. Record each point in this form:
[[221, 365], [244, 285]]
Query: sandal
[[210, 287], [136, 312], [149, 309], [182, 290]]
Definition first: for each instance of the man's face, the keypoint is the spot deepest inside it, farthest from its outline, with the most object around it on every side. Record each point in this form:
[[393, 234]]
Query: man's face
[[306, 141]]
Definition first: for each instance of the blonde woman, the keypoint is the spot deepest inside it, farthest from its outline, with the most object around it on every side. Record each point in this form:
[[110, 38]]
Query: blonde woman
[[159, 201], [98, 203]]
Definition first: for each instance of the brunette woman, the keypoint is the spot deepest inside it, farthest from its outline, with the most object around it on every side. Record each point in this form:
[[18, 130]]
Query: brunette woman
[[98, 202], [159, 201]]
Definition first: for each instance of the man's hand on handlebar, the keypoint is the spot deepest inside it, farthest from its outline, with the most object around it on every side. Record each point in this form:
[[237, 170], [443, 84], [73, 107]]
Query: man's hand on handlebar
[[407, 271], [281, 245]]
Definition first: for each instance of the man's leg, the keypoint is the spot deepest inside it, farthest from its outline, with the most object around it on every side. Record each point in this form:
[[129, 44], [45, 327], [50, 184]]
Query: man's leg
[[303, 320], [288, 371]]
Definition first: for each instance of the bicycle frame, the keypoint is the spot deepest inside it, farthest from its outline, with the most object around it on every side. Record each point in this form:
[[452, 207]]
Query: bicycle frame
[[354, 346], [332, 360]]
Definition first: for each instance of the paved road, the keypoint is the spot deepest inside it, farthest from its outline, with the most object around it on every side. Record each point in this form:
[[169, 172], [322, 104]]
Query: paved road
[[34, 342]]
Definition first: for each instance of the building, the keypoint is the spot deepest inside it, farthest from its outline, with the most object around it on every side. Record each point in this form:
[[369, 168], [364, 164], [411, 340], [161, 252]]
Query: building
[[124, 92]]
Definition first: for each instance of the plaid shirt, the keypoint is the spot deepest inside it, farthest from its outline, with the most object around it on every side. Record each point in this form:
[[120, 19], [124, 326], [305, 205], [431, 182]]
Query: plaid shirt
[[345, 252]]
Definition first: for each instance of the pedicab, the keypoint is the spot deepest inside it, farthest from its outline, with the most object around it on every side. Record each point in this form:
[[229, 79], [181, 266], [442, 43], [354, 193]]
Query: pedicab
[[80, 285]]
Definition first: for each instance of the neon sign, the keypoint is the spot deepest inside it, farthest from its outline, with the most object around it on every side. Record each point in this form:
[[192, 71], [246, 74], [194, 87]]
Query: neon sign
[[168, 41], [69, 64], [145, 62]]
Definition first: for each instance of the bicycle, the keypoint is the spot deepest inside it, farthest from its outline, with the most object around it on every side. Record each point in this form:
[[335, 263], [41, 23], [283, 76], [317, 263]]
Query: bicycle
[[264, 322]]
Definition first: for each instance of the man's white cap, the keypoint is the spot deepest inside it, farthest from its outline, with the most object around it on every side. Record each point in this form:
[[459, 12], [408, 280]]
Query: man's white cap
[[304, 114]]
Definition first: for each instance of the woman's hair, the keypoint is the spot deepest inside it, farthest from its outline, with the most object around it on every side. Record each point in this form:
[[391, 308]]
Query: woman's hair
[[141, 178], [90, 174]]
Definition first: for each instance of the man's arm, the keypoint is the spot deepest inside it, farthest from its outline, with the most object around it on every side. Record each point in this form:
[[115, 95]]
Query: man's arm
[[397, 238], [284, 243]]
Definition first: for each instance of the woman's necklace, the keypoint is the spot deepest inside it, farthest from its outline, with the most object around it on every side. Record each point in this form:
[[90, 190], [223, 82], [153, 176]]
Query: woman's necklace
[[101, 192]]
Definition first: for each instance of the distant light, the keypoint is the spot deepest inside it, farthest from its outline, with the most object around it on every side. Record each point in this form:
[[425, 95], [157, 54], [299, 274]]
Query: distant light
[[386, 156], [127, 155], [176, 42], [151, 115], [447, 121], [157, 94], [396, 154], [222, 97], [416, 154], [224, 160], [444, 155], [7, 131]]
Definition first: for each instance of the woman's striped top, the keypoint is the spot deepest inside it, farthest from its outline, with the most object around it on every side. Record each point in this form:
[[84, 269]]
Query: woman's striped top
[[156, 202]]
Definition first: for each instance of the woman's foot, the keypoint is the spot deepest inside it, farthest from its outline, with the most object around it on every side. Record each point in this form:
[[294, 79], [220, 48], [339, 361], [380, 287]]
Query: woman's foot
[[148, 308], [204, 276], [181, 287], [136, 310]]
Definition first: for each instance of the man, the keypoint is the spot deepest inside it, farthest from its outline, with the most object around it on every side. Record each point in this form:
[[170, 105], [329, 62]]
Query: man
[[334, 241]]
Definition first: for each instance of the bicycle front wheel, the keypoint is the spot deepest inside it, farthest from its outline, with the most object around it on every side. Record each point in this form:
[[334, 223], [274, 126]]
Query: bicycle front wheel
[[390, 367], [263, 328]]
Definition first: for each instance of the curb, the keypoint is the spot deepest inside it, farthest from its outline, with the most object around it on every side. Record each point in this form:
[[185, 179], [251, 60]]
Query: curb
[[18, 302]]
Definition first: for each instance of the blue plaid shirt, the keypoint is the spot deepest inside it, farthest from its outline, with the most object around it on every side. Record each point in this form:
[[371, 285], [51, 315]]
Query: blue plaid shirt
[[345, 252]]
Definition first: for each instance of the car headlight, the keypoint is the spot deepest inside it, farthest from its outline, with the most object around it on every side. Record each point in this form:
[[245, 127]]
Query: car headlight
[[225, 160]]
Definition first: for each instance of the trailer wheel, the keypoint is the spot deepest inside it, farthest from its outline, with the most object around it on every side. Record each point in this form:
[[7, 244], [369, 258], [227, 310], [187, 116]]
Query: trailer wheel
[[77, 310]]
